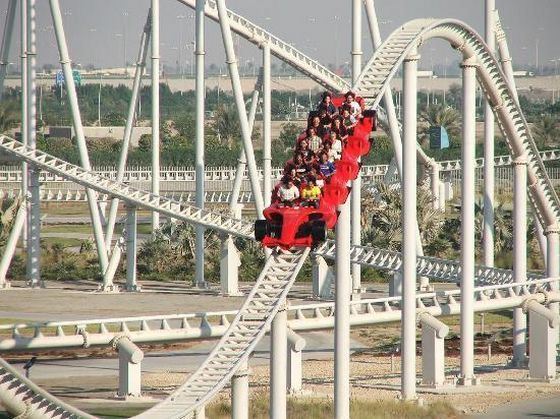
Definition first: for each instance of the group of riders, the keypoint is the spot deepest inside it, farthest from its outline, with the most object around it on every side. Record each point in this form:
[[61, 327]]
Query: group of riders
[[316, 151]]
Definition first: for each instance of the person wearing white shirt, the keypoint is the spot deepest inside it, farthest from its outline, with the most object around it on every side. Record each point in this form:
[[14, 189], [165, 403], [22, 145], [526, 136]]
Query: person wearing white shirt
[[288, 192]]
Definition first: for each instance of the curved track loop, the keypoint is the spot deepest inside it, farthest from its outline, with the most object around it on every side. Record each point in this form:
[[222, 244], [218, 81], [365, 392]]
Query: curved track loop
[[248, 327], [386, 60]]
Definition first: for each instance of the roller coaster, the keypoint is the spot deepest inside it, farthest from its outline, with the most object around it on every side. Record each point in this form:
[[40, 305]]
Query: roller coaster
[[292, 234]]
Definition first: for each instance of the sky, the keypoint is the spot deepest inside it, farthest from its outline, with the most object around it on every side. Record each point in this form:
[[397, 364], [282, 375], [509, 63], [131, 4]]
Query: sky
[[107, 32]]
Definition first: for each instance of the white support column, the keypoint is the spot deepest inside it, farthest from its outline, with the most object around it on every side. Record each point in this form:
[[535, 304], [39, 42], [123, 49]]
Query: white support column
[[519, 256], [467, 377], [322, 278], [543, 323], [155, 107], [11, 243], [356, 193], [6, 42], [24, 117], [242, 162], [240, 104], [78, 129], [552, 234], [296, 344], [140, 65], [230, 260], [394, 128], [34, 222], [130, 367], [131, 248], [433, 352], [229, 268], [435, 185], [200, 88], [278, 364], [240, 393], [488, 230], [267, 126], [410, 90]]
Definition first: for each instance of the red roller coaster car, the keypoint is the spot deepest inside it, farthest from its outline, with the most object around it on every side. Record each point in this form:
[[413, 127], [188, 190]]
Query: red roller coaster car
[[301, 226]]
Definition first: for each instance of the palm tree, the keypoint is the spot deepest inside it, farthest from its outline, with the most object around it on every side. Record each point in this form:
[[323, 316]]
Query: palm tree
[[8, 117], [546, 131], [439, 115], [386, 220], [226, 125], [8, 211]]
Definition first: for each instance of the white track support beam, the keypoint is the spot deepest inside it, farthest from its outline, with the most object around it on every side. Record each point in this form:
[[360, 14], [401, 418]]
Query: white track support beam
[[139, 71], [131, 248], [543, 323], [394, 128], [468, 222], [6, 43], [130, 367], [519, 256], [507, 67], [488, 230], [343, 287], [267, 126], [23, 82], [296, 344], [409, 190], [34, 222], [552, 234], [433, 351], [356, 193], [11, 243], [155, 107], [322, 278], [278, 364], [230, 260], [229, 268], [242, 162], [240, 393], [200, 87], [78, 129], [240, 104]]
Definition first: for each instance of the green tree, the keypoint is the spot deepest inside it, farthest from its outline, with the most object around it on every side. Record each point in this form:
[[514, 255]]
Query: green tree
[[546, 131], [226, 125], [8, 211], [439, 115], [384, 208], [8, 117]]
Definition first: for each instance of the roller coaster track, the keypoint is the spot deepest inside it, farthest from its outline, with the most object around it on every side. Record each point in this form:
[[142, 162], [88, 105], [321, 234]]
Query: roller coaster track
[[27, 400], [431, 267], [381, 68], [439, 269], [282, 267], [282, 50]]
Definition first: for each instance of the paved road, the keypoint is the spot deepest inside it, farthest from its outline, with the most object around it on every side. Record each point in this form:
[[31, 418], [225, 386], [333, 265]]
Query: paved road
[[319, 346], [547, 408]]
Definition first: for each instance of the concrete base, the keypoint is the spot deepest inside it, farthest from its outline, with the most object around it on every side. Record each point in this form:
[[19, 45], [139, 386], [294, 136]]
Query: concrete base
[[468, 382], [519, 364], [357, 294], [133, 288], [35, 285], [109, 289], [6, 286], [323, 279]]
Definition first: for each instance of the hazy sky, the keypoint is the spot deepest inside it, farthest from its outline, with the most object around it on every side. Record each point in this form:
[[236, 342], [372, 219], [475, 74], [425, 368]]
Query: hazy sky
[[95, 28]]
